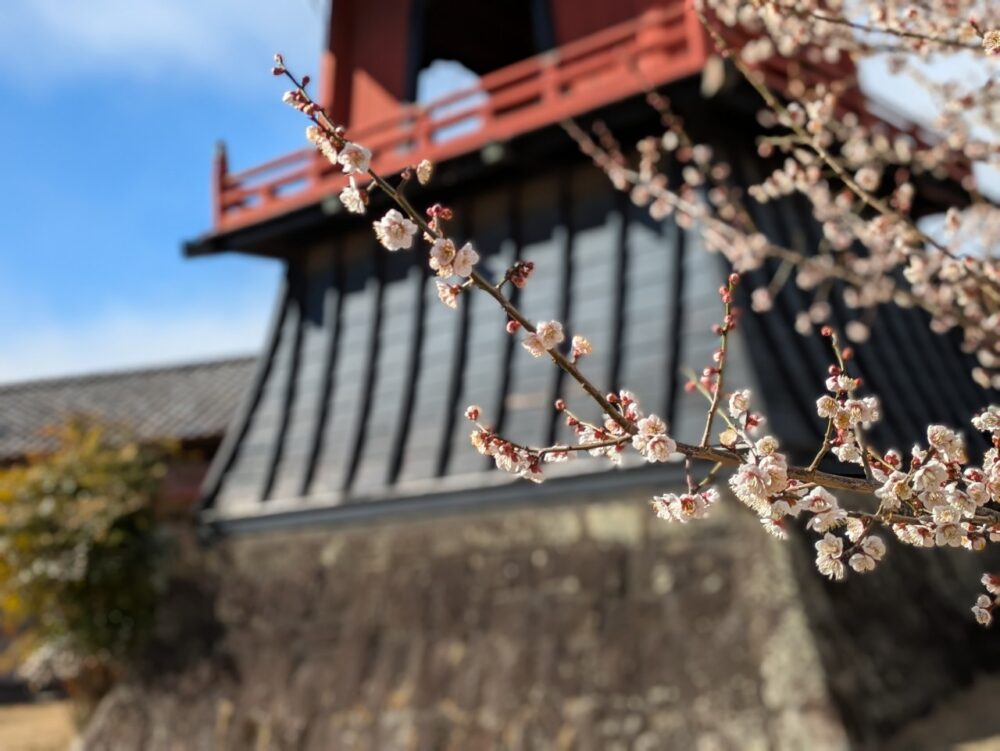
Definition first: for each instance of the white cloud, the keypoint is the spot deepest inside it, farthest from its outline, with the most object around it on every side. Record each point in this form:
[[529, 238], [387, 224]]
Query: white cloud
[[229, 40], [128, 338]]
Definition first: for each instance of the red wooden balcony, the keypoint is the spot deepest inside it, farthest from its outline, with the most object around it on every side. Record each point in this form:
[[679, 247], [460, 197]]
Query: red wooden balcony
[[659, 46]]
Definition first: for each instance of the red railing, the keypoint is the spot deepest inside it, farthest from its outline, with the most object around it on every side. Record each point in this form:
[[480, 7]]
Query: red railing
[[660, 45]]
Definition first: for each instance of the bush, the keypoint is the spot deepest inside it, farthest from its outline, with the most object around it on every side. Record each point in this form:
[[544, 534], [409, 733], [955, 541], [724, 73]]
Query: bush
[[80, 553]]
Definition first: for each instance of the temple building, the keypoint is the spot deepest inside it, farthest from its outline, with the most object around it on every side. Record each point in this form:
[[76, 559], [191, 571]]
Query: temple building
[[376, 584]]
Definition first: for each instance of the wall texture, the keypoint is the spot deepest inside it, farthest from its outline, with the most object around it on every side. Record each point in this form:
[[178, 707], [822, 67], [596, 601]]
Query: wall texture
[[589, 626], [584, 626]]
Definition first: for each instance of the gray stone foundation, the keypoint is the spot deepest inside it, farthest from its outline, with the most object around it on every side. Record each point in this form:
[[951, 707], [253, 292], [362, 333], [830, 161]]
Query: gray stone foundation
[[586, 626]]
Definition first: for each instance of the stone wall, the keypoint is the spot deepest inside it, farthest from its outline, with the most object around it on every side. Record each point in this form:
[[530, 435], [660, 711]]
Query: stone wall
[[585, 626]]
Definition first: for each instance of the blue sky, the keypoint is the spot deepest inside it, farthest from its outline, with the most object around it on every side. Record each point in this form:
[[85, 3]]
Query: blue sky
[[110, 111]]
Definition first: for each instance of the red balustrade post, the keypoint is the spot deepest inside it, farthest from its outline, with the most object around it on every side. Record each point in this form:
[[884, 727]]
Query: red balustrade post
[[220, 176], [421, 130], [550, 77], [652, 42]]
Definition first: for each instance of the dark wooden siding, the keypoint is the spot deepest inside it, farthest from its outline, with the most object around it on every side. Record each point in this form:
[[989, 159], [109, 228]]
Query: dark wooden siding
[[366, 375]]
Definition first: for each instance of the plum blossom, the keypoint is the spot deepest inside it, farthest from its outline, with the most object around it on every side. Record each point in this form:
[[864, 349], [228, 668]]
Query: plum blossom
[[424, 171], [612, 453], [895, 489], [739, 403], [931, 476], [774, 527], [354, 200], [442, 255], [855, 412], [992, 583], [982, 610], [854, 528], [547, 334], [988, 421], [507, 456], [828, 553], [395, 231], [321, 141], [758, 480], [683, 508], [947, 443], [464, 260], [991, 42], [870, 551], [868, 178], [827, 406], [761, 300], [354, 158], [652, 440], [448, 293], [848, 452], [947, 532], [766, 446], [917, 535], [841, 383], [827, 512], [630, 405], [581, 346]]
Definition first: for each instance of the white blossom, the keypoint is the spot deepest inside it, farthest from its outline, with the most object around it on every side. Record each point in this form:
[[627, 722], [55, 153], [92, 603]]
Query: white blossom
[[547, 335], [982, 610], [862, 563], [758, 480], [464, 260], [739, 403], [992, 583], [894, 490], [991, 42], [424, 171], [354, 158], [395, 231], [827, 512], [947, 443], [828, 553], [947, 531], [988, 421], [652, 440], [766, 445], [581, 346], [442, 255], [352, 198], [827, 406], [321, 141], [447, 293], [683, 508]]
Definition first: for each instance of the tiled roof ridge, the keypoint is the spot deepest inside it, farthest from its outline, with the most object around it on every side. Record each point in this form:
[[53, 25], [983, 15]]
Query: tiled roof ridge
[[110, 375]]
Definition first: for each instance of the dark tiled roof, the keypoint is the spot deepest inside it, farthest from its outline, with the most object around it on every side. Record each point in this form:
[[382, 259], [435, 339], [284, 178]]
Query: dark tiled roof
[[183, 402]]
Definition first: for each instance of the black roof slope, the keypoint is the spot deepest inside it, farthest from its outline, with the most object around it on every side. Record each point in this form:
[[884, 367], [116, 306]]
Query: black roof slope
[[357, 404], [185, 402]]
